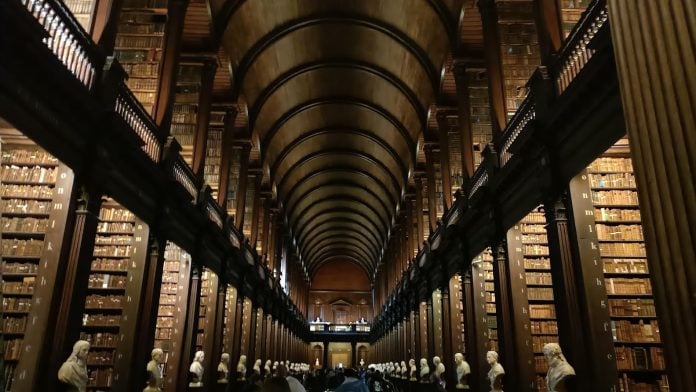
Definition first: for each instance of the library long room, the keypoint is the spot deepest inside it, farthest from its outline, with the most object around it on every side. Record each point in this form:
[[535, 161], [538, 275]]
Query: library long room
[[364, 195]]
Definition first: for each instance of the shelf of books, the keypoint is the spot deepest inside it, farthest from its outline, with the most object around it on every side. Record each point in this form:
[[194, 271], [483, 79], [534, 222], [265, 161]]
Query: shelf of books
[[537, 269], [571, 11], [34, 202], [634, 324], [480, 111], [426, 209], [486, 260], [246, 328], [519, 49], [171, 312], [457, 314], [139, 46], [206, 313], [82, 10], [233, 181], [228, 330], [213, 152], [185, 109], [116, 273]]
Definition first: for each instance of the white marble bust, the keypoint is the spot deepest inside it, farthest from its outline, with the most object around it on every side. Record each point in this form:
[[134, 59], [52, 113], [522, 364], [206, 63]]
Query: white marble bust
[[257, 366], [73, 372], [559, 368], [154, 374], [424, 370], [463, 370], [267, 367], [223, 368], [495, 375], [413, 371], [241, 368], [196, 370], [397, 370], [404, 370]]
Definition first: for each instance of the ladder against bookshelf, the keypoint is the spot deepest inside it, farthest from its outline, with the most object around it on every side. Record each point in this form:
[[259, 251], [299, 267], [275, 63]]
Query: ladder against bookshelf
[[171, 314], [34, 198], [117, 271], [634, 324]]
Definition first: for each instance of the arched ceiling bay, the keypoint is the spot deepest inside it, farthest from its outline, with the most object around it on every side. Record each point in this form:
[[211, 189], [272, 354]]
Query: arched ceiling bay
[[338, 93]]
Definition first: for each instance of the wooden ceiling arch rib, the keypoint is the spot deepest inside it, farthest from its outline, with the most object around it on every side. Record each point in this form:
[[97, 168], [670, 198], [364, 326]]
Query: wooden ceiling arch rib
[[338, 95]]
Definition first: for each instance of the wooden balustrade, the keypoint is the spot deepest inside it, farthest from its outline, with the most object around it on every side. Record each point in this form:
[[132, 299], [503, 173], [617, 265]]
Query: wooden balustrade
[[518, 124], [137, 118], [67, 39], [182, 173]]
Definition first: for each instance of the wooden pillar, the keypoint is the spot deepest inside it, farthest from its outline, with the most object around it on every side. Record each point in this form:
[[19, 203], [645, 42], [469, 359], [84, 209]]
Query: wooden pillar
[[105, 24], [424, 331], [419, 211], [75, 279], [205, 98], [438, 325], [265, 219], [415, 323], [253, 321], [447, 341], [226, 156], [237, 336], [242, 188], [191, 327], [216, 349], [162, 112], [549, 29], [443, 141], [256, 209], [567, 295], [654, 48], [476, 319], [494, 66], [464, 111], [145, 335]]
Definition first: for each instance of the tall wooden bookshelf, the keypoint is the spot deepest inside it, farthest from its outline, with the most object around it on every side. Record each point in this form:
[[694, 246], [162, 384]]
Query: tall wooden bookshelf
[[34, 196], [116, 273], [171, 312], [213, 151], [542, 311], [82, 10], [486, 260], [228, 329], [251, 193], [206, 312], [426, 209], [139, 46], [571, 11], [637, 341], [519, 47], [457, 314], [185, 110], [233, 181], [480, 112]]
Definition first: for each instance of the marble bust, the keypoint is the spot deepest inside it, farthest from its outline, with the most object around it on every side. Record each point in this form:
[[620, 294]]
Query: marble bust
[[241, 368], [404, 370], [196, 370], [495, 375], [413, 372], [424, 370], [155, 381], [257, 366], [267, 368], [559, 369], [73, 372], [439, 371], [463, 371], [223, 368], [397, 370]]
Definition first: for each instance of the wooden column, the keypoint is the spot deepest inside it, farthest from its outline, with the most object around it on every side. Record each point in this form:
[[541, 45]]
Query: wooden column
[[415, 323], [162, 112], [205, 98], [191, 328], [476, 319], [425, 330], [464, 110], [237, 336], [75, 278], [419, 211], [549, 29], [265, 219], [256, 209], [215, 352], [242, 188], [494, 66], [226, 156], [447, 343], [443, 141], [654, 47], [105, 24], [253, 321], [145, 335], [567, 294], [437, 322]]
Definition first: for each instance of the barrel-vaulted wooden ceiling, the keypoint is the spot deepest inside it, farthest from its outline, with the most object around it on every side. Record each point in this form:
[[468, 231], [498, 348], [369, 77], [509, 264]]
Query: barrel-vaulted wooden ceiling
[[337, 94]]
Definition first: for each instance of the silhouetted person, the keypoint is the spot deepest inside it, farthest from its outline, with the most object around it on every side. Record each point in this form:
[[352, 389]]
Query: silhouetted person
[[276, 384]]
